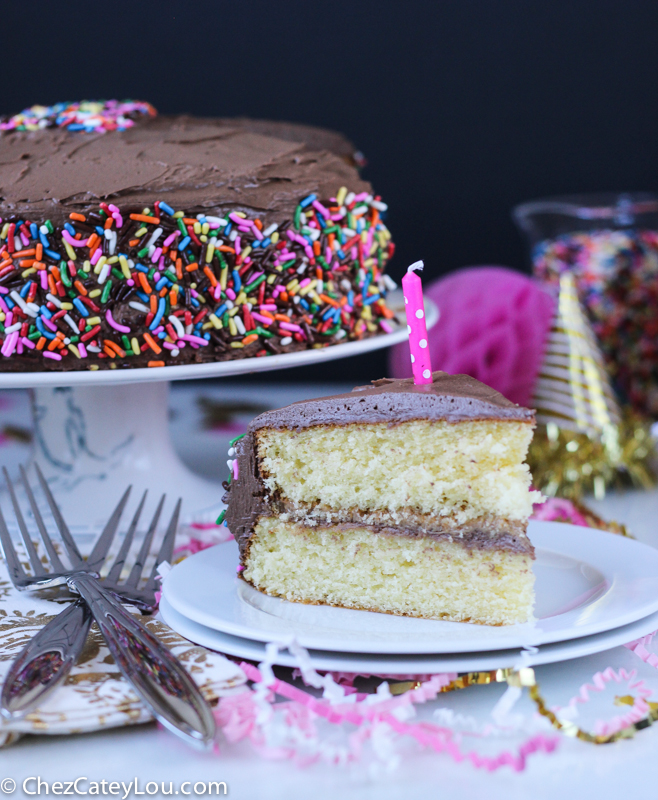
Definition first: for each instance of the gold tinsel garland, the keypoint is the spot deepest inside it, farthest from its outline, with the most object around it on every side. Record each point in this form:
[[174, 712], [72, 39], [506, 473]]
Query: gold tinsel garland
[[573, 464], [525, 679]]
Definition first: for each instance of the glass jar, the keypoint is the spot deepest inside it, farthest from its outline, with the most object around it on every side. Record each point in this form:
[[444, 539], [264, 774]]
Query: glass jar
[[609, 243]]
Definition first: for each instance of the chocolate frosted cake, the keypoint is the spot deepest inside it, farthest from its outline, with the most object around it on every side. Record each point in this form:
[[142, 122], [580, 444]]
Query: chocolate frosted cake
[[129, 239], [396, 497]]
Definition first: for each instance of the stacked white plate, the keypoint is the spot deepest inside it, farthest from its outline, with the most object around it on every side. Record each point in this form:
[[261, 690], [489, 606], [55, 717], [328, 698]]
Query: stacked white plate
[[594, 590]]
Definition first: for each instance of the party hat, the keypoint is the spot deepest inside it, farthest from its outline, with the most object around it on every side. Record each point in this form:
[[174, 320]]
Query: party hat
[[583, 442]]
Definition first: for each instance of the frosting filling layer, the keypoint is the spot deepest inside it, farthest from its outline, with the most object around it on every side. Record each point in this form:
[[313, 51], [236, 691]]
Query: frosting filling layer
[[480, 533]]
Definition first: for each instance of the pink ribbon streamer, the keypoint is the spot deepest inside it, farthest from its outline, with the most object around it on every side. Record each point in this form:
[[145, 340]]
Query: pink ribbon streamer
[[242, 716], [639, 647], [600, 680]]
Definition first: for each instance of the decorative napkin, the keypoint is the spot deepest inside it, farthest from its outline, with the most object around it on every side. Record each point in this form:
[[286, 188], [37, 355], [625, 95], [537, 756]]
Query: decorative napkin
[[95, 695]]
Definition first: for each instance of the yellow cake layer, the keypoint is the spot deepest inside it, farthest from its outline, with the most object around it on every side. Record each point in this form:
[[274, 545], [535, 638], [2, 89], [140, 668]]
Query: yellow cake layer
[[413, 576], [460, 470]]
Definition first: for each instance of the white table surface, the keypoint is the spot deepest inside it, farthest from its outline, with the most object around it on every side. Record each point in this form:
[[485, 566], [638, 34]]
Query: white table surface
[[577, 770]]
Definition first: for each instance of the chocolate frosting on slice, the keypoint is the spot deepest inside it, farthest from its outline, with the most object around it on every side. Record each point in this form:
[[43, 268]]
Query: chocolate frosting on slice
[[191, 163], [450, 397], [453, 398]]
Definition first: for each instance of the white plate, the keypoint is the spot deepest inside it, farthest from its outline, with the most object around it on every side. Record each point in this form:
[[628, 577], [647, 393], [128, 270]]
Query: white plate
[[218, 369], [412, 664], [588, 581]]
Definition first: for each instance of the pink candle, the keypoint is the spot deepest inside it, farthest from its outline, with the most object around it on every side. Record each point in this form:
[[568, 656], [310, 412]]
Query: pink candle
[[416, 327]]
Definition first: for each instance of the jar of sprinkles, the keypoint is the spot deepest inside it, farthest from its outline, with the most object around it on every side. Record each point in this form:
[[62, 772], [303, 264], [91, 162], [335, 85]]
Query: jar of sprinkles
[[609, 243]]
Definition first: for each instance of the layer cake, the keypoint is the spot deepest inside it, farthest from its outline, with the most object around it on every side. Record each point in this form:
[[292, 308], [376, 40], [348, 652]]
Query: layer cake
[[129, 239], [396, 498]]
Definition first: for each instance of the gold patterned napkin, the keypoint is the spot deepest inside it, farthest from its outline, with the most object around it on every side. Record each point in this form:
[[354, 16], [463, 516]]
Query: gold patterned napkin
[[95, 696]]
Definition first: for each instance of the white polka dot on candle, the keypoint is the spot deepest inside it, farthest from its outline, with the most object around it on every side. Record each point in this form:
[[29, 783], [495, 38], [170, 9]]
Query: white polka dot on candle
[[422, 343], [408, 328], [413, 359], [420, 313], [427, 373], [406, 300]]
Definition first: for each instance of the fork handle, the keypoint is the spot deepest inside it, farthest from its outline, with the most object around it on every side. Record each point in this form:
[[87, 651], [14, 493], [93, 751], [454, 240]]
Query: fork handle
[[159, 679], [45, 661]]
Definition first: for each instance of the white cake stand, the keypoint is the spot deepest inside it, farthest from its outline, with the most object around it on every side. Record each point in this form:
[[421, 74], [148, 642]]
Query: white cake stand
[[97, 432]]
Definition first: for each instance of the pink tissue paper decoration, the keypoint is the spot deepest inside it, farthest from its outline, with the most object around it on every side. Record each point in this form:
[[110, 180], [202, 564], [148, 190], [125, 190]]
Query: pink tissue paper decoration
[[493, 326]]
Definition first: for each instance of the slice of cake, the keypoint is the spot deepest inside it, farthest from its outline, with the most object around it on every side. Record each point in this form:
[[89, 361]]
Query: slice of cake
[[398, 498]]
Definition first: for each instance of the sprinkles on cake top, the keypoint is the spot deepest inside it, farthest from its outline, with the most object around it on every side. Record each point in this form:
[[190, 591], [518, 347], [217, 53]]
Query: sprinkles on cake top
[[90, 116]]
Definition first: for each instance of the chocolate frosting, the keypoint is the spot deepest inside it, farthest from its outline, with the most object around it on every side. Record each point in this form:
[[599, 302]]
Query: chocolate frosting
[[454, 398], [191, 163], [451, 397]]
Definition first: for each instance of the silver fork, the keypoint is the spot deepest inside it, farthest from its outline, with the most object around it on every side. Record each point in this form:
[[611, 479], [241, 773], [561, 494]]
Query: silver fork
[[158, 678], [49, 656]]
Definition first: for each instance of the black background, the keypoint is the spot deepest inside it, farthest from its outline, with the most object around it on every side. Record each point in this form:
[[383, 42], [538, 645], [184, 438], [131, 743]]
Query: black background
[[462, 108]]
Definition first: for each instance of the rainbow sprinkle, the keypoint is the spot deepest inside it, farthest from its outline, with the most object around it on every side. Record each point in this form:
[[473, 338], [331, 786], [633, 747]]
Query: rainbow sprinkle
[[89, 116], [115, 284]]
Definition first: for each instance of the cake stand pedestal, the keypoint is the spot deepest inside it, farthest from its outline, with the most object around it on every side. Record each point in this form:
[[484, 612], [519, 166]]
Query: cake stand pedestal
[[95, 433], [91, 442]]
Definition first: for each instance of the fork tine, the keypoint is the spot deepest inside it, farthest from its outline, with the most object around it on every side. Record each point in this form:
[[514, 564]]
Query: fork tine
[[37, 566], [138, 566], [119, 561], [106, 538], [52, 553], [167, 546], [16, 571], [67, 539]]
